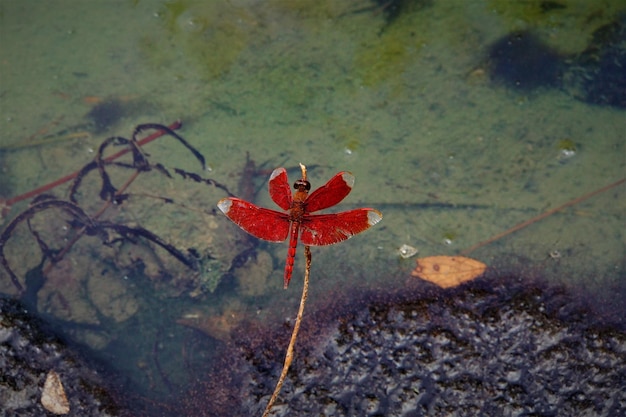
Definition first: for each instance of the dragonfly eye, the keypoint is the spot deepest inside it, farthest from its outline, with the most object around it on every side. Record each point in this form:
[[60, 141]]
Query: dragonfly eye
[[300, 184]]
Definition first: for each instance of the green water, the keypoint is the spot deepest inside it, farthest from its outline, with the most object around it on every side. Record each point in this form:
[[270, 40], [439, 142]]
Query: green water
[[404, 104]]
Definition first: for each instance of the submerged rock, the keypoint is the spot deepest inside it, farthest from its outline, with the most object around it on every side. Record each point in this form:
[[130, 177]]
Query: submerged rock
[[29, 354], [486, 348]]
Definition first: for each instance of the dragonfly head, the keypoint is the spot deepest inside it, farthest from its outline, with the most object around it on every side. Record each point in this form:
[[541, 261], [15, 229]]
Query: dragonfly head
[[302, 185]]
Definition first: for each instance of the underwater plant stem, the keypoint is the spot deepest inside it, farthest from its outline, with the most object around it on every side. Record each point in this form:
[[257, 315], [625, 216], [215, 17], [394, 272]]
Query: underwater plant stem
[[32, 193], [82, 231], [541, 217], [294, 333]]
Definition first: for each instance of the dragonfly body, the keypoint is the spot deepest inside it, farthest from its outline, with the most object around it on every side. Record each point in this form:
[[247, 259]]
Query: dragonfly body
[[296, 214], [298, 223]]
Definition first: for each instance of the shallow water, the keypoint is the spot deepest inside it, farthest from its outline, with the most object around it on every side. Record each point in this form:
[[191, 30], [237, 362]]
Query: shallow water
[[405, 103]]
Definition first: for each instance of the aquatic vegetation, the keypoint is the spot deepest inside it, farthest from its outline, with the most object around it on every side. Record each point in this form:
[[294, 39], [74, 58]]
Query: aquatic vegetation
[[535, 12], [449, 236], [36, 244], [210, 35], [389, 52], [598, 74], [567, 149], [487, 347], [318, 9], [567, 145], [570, 23], [394, 9], [384, 58], [395, 42], [352, 145]]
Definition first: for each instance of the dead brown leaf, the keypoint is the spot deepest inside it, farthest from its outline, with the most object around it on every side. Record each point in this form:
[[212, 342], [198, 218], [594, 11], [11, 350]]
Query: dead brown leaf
[[448, 271]]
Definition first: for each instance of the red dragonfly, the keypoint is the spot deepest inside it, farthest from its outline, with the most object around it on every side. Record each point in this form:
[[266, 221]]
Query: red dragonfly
[[313, 229]]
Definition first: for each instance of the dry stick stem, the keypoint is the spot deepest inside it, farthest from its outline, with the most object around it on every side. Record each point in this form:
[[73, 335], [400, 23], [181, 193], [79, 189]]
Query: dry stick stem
[[294, 334], [541, 216], [46, 128]]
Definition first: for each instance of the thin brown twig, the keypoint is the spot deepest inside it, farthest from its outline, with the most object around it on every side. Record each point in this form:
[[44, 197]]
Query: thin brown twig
[[294, 334], [44, 129], [541, 217], [5, 205]]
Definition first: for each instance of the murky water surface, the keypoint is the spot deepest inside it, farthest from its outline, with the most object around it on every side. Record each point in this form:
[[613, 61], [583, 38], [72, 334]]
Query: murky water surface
[[429, 104]]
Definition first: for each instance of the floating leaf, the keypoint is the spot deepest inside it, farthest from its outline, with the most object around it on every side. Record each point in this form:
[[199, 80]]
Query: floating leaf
[[448, 271]]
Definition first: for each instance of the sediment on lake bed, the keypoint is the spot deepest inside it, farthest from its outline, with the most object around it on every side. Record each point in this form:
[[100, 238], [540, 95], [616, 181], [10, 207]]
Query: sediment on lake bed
[[498, 345]]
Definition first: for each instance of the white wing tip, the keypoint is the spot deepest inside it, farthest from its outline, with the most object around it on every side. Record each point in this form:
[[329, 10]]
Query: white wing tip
[[373, 217], [277, 172], [348, 178], [224, 204]]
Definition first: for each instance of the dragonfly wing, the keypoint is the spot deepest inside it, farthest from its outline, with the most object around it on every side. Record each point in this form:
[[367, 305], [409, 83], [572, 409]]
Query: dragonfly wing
[[327, 229], [260, 222], [331, 193], [280, 191]]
